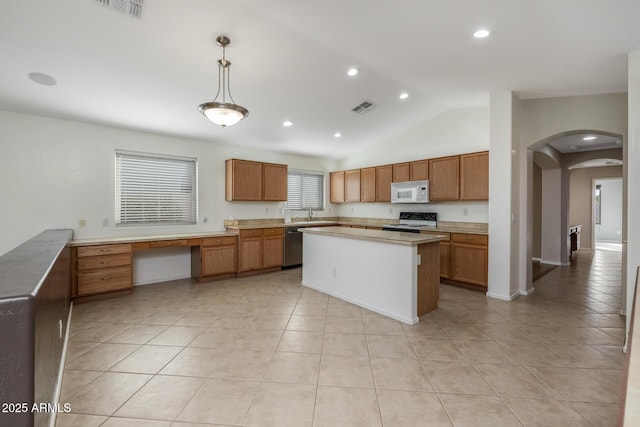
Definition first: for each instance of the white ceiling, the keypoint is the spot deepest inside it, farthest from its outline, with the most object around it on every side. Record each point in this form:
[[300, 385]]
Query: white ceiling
[[290, 59]]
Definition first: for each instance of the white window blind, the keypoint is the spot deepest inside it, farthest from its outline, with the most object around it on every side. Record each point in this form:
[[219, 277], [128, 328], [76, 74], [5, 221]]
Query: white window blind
[[153, 189], [305, 188]]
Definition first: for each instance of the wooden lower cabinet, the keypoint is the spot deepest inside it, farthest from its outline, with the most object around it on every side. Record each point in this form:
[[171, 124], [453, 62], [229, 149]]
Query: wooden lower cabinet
[[445, 256], [273, 248], [101, 269], [444, 252], [469, 258], [215, 257], [260, 249]]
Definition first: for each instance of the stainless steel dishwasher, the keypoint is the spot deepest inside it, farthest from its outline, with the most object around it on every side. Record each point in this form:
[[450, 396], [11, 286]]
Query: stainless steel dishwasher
[[292, 246]]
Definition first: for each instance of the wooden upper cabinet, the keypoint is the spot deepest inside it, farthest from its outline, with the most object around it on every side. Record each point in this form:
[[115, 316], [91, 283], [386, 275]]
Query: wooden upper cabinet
[[444, 178], [352, 185], [419, 170], [255, 181], [474, 176], [384, 177], [368, 185], [274, 182], [401, 172], [336, 182], [243, 180]]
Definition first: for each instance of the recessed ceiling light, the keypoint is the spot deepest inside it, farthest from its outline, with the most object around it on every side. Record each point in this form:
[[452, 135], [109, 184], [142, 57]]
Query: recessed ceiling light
[[404, 95], [287, 123], [482, 33], [42, 78], [337, 135], [353, 71], [589, 138]]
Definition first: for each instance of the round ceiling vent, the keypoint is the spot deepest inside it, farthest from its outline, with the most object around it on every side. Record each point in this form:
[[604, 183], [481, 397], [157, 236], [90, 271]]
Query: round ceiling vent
[[42, 78]]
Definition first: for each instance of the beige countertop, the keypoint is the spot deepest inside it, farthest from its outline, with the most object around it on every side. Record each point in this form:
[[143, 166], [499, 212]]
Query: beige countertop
[[280, 225], [394, 237], [446, 227], [150, 238]]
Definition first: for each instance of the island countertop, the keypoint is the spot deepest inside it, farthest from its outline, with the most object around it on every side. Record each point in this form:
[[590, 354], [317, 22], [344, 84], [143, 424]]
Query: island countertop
[[394, 237]]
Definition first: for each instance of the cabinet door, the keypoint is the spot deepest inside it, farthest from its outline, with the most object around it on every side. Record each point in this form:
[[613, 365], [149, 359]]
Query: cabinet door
[[243, 180], [218, 260], [337, 187], [368, 185], [469, 263], [272, 254], [251, 253], [419, 170], [352, 186], [444, 178], [445, 259], [275, 182], [401, 172], [474, 176], [384, 176]]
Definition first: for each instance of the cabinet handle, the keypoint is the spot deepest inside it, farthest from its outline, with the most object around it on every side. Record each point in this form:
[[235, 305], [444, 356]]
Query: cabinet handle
[[105, 250], [105, 278], [103, 262]]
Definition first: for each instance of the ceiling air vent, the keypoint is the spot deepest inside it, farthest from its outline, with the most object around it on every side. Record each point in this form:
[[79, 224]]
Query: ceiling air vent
[[132, 8], [364, 107]]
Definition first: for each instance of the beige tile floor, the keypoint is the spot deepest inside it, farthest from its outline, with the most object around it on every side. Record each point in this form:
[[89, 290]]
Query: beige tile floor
[[264, 351]]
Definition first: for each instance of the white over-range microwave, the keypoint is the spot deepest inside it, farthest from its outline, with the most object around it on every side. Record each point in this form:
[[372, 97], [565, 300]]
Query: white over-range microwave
[[410, 192]]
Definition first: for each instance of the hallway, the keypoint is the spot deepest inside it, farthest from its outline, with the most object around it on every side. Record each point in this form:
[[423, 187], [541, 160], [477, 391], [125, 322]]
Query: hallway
[[265, 351]]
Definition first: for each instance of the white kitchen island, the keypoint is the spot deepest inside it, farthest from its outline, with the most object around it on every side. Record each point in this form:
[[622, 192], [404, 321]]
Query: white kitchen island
[[392, 273]]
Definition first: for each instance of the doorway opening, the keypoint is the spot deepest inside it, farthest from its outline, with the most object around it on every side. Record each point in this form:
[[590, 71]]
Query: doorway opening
[[607, 214]]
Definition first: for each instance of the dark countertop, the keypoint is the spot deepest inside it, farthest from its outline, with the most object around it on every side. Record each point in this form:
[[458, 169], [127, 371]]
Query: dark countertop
[[23, 268]]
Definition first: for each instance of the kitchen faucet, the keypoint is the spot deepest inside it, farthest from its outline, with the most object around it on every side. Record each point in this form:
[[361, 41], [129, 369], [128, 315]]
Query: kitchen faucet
[[310, 214]]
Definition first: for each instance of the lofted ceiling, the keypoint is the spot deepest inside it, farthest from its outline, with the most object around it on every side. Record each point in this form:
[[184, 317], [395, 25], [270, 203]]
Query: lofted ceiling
[[290, 59]]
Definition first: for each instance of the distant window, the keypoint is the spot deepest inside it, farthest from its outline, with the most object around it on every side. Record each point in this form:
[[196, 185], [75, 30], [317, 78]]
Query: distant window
[[598, 203], [152, 189], [305, 189]]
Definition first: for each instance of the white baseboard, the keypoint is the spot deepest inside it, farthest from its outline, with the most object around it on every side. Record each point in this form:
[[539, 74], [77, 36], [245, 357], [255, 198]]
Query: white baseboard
[[164, 279], [537, 259], [552, 262], [63, 359], [504, 297], [528, 291]]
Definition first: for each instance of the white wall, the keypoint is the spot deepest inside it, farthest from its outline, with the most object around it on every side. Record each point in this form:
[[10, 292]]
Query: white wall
[[551, 214], [56, 172], [458, 131]]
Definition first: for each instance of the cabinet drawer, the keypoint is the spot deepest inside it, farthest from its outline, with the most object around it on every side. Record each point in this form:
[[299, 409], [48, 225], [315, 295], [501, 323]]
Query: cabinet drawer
[[251, 232], [168, 243], [219, 241], [87, 263], [274, 232], [103, 250], [474, 239], [107, 280]]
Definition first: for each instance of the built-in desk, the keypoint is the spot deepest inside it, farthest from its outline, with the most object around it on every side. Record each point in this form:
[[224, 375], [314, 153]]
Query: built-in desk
[[104, 266]]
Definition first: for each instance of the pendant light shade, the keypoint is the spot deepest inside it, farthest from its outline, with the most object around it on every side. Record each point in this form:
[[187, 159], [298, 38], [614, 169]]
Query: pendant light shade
[[223, 113]]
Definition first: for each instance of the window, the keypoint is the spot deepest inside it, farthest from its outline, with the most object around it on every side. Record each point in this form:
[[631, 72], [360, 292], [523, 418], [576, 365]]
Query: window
[[305, 188], [153, 189], [598, 203]]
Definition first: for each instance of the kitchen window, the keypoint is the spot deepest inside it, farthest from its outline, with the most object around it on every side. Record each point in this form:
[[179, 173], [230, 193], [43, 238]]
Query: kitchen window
[[305, 189], [153, 189]]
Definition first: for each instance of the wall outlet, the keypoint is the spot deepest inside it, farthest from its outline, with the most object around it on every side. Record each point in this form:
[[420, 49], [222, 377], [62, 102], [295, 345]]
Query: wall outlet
[[334, 273], [205, 219], [390, 210], [82, 223], [266, 210], [465, 212], [105, 222]]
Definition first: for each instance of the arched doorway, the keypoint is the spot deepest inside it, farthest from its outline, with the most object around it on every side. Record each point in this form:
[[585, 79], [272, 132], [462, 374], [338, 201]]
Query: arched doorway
[[558, 202]]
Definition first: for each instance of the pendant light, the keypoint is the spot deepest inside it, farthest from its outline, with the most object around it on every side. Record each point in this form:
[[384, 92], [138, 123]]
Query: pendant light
[[223, 113]]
